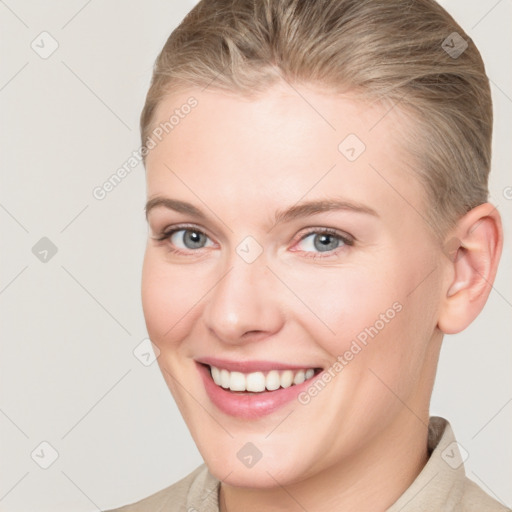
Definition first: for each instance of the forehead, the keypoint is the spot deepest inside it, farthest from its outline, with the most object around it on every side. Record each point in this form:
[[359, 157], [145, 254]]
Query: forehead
[[283, 145]]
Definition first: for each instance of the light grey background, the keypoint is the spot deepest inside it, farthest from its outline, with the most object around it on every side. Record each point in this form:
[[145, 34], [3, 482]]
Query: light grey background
[[70, 325]]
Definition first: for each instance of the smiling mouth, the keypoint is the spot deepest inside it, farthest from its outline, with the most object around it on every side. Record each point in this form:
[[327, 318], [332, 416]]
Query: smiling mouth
[[259, 382]]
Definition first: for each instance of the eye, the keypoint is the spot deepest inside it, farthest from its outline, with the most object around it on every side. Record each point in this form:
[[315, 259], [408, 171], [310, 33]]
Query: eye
[[322, 241], [189, 239]]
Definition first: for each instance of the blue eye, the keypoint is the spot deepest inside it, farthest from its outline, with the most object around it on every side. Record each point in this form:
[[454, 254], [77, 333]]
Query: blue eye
[[189, 239], [321, 242]]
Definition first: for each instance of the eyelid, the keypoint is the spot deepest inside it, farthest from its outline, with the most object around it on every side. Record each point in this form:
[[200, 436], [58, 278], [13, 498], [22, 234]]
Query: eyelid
[[344, 236], [347, 239], [165, 233]]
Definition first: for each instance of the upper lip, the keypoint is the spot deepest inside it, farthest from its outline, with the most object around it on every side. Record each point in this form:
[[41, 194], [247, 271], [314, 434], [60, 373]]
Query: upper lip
[[250, 366]]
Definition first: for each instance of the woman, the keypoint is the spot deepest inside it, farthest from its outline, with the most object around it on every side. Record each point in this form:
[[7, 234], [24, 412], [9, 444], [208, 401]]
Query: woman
[[317, 206]]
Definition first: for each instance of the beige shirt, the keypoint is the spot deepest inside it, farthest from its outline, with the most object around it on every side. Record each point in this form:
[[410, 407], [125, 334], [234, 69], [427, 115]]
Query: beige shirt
[[442, 485]]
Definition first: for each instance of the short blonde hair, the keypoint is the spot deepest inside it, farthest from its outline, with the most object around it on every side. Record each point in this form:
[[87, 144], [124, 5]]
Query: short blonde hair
[[407, 52]]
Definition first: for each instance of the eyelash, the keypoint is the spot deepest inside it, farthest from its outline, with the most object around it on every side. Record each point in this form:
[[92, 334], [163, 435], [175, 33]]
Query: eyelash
[[166, 234], [345, 238]]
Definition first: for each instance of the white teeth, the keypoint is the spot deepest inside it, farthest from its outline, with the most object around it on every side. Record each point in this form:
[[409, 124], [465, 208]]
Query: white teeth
[[272, 381], [224, 379], [237, 381], [216, 375], [286, 379], [256, 382], [300, 377]]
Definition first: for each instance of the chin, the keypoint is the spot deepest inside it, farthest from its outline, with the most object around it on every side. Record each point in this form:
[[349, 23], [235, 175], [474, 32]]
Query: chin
[[254, 465]]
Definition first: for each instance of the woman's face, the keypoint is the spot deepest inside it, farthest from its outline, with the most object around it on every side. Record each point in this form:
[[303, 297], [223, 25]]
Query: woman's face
[[287, 242]]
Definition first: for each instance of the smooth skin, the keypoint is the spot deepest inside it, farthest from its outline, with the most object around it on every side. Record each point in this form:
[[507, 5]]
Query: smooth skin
[[241, 162]]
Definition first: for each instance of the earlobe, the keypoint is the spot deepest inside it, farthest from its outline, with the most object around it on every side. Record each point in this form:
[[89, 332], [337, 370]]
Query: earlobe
[[474, 250]]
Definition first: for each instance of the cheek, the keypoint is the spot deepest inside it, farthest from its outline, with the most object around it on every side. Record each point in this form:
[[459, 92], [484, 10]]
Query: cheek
[[339, 304], [367, 315], [169, 295]]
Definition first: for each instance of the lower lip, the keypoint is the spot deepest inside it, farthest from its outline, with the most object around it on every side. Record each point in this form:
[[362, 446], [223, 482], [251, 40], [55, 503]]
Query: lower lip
[[249, 405]]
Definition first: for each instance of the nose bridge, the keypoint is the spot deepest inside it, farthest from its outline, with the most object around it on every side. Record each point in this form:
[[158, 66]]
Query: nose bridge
[[242, 301]]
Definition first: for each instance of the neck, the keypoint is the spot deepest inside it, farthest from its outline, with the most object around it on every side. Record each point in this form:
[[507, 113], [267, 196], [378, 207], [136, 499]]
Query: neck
[[371, 480]]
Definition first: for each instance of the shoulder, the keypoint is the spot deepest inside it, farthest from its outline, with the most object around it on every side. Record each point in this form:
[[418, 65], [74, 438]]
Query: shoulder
[[474, 499], [442, 484], [199, 488]]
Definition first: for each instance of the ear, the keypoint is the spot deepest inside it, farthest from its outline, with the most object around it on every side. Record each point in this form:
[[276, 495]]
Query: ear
[[473, 249]]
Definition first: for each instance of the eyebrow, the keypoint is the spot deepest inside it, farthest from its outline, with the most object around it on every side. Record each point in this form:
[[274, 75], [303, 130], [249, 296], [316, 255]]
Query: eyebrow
[[296, 211], [174, 204], [309, 208]]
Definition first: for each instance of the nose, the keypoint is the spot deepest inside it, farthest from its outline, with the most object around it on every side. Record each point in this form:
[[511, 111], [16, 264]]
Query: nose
[[244, 305]]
